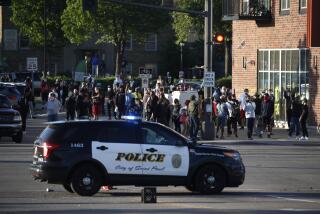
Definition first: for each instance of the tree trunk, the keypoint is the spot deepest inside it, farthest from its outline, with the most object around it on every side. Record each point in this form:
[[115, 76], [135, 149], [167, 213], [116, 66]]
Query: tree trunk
[[119, 58]]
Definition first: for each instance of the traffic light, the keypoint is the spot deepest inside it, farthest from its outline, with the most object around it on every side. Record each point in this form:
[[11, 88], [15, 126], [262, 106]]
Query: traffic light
[[89, 5], [218, 38]]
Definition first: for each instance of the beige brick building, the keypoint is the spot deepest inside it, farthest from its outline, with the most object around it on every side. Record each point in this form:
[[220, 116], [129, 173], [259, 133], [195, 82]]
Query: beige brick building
[[276, 45]]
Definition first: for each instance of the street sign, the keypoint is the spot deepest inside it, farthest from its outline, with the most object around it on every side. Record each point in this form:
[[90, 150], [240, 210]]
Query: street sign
[[32, 63], [181, 74], [208, 79], [145, 82], [145, 72]]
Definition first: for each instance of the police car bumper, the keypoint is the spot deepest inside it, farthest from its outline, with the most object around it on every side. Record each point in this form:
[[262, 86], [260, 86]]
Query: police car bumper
[[49, 173], [236, 175]]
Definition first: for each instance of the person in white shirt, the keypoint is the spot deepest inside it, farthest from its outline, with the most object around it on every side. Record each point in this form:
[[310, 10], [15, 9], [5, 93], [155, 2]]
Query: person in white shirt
[[250, 108], [53, 107], [242, 100]]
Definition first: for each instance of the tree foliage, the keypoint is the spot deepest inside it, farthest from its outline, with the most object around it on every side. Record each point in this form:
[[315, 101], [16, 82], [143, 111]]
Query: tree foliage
[[112, 23], [185, 24], [28, 16]]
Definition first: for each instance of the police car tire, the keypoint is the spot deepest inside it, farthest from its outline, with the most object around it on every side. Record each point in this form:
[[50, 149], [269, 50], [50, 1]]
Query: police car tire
[[81, 173], [201, 179], [18, 137], [67, 186]]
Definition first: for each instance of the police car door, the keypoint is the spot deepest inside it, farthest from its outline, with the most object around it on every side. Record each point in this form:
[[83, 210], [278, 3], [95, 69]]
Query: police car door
[[120, 152], [161, 153]]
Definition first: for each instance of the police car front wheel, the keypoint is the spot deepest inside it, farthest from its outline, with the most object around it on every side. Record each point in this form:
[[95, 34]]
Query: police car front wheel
[[210, 179], [86, 180], [67, 187]]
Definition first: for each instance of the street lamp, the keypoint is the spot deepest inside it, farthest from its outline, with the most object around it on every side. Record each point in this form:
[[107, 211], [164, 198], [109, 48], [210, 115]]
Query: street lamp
[[181, 56]]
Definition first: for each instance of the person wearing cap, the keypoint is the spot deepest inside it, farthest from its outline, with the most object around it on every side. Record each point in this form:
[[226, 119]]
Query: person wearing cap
[[303, 119]]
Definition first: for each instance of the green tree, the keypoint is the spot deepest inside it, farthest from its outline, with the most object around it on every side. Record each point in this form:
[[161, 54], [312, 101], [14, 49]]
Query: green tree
[[28, 16], [112, 23], [185, 24]]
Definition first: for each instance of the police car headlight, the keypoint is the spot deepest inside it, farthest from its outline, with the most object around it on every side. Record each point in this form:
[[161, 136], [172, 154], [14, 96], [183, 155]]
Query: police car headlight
[[17, 117], [234, 155]]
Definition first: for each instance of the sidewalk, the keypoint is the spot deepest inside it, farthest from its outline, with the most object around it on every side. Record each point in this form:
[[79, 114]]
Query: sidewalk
[[278, 135]]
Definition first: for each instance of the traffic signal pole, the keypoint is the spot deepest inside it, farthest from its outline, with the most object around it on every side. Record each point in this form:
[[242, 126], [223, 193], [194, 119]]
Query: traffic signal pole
[[208, 128]]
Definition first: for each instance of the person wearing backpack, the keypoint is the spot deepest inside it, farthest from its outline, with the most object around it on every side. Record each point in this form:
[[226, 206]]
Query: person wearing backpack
[[193, 112], [222, 110], [234, 113]]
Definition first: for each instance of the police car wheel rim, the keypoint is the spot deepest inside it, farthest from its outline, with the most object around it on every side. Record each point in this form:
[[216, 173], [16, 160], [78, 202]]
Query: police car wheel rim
[[209, 180], [87, 180]]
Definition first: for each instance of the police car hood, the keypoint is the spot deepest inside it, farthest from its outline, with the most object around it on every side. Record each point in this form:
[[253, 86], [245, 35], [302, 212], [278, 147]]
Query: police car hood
[[210, 147], [7, 111]]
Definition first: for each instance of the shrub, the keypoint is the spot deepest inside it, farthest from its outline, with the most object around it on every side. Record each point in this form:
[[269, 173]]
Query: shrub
[[224, 81]]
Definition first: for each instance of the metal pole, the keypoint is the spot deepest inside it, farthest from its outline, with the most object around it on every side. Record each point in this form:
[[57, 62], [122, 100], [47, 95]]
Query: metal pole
[[208, 128], [181, 56], [45, 39]]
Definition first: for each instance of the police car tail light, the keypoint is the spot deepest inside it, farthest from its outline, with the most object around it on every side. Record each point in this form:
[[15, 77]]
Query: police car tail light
[[48, 148]]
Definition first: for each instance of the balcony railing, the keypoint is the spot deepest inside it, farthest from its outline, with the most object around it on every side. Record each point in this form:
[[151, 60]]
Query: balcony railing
[[259, 10]]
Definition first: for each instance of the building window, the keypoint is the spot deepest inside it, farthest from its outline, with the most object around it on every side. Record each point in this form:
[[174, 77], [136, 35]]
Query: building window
[[129, 43], [23, 42], [303, 6], [128, 69], [283, 70], [150, 43], [245, 7], [285, 7], [154, 69]]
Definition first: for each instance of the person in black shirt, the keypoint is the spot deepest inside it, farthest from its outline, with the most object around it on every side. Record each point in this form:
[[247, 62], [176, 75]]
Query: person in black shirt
[[296, 112], [303, 120]]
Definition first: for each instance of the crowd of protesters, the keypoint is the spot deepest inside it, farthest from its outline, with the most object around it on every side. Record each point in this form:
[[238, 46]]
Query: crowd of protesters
[[88, 101]]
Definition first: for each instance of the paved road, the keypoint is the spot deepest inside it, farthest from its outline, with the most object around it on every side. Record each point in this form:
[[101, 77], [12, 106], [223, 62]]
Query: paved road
[[282, 177]]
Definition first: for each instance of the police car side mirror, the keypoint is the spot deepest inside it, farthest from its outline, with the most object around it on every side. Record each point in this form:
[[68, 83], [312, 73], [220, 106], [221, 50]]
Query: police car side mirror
[[192, 142]]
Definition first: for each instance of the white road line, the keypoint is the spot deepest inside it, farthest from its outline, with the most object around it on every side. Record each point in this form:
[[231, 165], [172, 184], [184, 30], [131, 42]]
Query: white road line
[[293, 199], [299, 210]]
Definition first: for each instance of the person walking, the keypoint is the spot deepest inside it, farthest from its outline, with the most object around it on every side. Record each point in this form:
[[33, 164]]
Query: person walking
[[53, 107], [193, 114], [249, 109], [120, 100], [267, 112], [96, 107], [222, 111], [28, 94], [110, 101], [163, 110], [303, 120], [296, 109], [71, 106], [258, 122], [234, 114], [176, 115]]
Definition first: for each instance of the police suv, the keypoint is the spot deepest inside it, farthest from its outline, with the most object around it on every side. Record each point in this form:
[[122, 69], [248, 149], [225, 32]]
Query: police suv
[[85, 155]]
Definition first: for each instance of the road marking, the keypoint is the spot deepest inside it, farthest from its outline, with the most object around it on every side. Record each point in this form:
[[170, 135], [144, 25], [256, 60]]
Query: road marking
[[293, 199], [299, 210]]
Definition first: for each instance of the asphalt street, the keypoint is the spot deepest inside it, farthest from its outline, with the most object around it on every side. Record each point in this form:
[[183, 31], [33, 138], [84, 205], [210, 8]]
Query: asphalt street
[[282, 177]]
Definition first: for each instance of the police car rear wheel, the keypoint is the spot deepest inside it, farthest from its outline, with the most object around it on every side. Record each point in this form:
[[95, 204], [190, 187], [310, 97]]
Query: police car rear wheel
[[86, 180], [67, 186], [210, 180]]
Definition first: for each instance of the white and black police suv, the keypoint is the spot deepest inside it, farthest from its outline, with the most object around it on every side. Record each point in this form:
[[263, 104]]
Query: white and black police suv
[[85, 155]]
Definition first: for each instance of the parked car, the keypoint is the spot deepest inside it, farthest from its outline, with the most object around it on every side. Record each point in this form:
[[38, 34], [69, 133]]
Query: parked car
[[10, 120], [10, 91]]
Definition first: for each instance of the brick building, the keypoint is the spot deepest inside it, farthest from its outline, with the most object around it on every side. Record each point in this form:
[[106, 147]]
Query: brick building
[[276, 45]]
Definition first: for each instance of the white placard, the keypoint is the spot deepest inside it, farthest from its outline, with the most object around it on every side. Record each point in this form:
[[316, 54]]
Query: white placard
[[145, 82], [208, 79], [32, 63], [78, 76]]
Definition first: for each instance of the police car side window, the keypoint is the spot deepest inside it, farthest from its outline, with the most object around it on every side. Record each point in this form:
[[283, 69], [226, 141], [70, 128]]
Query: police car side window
[[157, 136], [120, 133]]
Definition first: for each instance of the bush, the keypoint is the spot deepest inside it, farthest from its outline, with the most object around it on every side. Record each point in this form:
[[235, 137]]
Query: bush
[[105, 81], [224, 81]]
